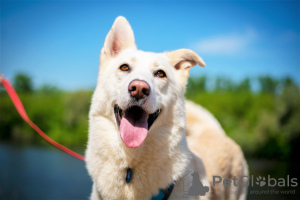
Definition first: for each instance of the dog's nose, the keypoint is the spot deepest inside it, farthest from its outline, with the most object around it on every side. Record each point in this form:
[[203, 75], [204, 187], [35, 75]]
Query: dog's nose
[[139, 89]]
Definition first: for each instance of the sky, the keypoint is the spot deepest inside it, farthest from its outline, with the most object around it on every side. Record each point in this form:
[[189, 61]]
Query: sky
[[59, 42]]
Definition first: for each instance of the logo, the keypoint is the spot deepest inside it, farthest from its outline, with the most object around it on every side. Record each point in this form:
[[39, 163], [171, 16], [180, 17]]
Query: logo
[[260, 181], [192, 186], [197, 187]]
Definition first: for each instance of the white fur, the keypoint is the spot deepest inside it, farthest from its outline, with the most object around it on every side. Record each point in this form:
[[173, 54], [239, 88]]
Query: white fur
[[164, 156]]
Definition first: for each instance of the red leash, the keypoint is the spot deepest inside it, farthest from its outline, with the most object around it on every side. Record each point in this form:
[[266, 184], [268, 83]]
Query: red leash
[[20, 108]]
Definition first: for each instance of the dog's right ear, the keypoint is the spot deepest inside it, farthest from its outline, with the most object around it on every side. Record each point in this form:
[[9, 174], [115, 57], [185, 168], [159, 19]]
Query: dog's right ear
[[120, 37]]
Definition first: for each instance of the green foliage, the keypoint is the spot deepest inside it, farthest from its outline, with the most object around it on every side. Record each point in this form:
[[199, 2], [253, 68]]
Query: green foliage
[[63, 116], [268, 84], [48, 89], [244, 86], [23, 83], [224, 84]]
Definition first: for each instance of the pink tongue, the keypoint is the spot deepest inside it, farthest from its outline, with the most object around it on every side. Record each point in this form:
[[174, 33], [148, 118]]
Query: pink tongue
[[134, 130]]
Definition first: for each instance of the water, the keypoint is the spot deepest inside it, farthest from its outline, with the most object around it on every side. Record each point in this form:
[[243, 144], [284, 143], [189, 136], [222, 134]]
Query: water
[[41, 173], [29, 172]]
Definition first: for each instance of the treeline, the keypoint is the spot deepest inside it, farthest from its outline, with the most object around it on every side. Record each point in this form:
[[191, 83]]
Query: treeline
[[263, 84], [262, 115], [61, 115]]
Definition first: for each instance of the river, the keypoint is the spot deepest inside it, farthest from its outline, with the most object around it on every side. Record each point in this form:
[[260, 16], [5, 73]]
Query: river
[[30, 172]]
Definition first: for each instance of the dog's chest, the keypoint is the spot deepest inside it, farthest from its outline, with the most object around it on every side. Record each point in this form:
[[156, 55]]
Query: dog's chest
[[147, 177]]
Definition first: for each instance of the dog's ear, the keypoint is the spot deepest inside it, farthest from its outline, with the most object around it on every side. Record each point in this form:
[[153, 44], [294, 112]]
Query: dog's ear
[[182, 60], [120, 37]]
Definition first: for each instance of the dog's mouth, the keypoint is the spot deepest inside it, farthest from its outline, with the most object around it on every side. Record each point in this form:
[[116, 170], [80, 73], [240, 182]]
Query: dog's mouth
[[134, 124]]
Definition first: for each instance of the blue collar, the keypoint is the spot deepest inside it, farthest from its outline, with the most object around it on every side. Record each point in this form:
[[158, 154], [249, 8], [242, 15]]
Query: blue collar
[[163, 194]]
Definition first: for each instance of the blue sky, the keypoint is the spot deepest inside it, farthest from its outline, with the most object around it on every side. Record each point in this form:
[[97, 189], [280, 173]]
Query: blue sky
[[58, 42]]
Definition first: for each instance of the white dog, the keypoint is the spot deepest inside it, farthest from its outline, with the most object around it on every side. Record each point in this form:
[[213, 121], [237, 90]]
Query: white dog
[[137, 147]]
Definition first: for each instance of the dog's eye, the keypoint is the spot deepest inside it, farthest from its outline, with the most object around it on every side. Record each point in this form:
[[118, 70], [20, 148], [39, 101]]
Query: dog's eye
[[160, 74], [124, 67]]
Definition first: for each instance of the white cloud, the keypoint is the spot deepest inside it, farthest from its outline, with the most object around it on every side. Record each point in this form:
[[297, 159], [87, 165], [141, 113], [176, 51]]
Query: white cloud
[[226, 44]]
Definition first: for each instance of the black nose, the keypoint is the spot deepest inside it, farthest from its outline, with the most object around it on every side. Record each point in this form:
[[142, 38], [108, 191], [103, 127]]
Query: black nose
[[139, 89]]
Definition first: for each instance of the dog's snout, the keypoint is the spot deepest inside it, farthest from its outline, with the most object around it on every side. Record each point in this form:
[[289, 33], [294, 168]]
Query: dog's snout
[[139, 89]]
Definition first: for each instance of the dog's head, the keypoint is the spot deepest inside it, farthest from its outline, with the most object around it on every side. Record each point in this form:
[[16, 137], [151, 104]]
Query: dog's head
[[138, 86]]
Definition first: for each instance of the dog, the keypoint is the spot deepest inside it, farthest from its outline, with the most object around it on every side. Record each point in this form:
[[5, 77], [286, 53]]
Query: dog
[[144, 137]]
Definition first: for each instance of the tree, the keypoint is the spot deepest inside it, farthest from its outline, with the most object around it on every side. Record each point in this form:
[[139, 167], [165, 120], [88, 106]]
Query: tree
[[48, 89], [224, 84], [200, 83], [244, 86], [268, 84], [23, 82], [195, 86]]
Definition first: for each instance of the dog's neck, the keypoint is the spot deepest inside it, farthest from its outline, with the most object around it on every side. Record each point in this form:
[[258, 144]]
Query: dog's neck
[[159, 161]]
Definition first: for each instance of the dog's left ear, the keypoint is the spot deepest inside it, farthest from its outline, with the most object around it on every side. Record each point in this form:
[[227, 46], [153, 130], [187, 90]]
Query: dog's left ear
[[182, 60], [120, 37]]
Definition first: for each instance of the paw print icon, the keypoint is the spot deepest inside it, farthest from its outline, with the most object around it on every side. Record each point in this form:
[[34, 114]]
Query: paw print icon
[[261, 181]]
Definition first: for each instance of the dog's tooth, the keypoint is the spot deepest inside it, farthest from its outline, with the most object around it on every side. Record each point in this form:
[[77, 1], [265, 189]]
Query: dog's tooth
[[148, 117]]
